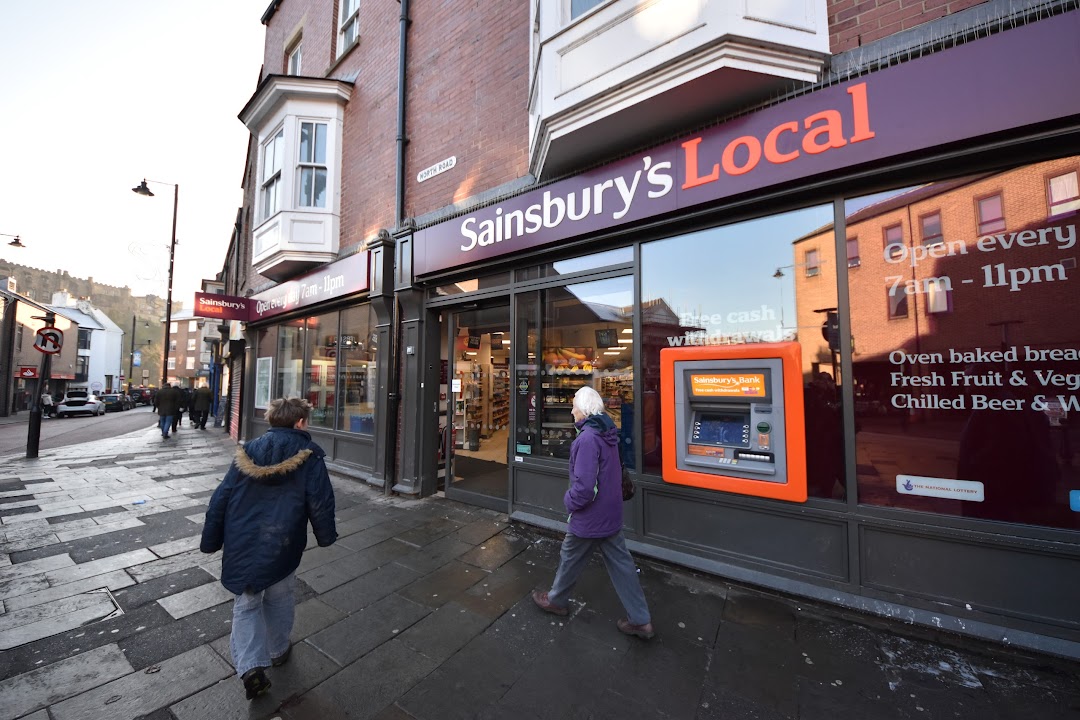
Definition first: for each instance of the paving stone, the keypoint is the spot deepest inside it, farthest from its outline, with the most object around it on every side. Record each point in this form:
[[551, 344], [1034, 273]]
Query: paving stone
[[153, 646], [434, 555], [358, 634], [88, 515], [443, 585], [97, 567], [19, 586], [369, 588], [354, 565], [479, 530], [175, 547], [141, 693], [169, 565], [318, 556], [503, 588], [135, 596], [34, 567], [428, 532], [192, 601], [364, 688], [225, 700], [41, 621], [68, 677], [125, 524], [444, 632], [495, 551], [114, 580], [373, 536]]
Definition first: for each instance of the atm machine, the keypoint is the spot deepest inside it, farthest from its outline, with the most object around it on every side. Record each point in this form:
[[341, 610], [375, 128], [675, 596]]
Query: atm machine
[[732, 419]]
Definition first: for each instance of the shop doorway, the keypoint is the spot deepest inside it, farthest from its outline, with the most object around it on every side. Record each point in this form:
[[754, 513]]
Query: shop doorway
[[475, 420]]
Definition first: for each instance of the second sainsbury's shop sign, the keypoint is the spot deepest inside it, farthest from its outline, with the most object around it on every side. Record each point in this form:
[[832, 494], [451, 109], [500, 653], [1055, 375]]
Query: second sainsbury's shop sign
[[336, 280], [840, 127]]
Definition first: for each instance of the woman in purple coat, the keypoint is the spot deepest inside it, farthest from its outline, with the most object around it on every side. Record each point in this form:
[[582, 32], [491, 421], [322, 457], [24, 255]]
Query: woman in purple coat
[[594, 502]]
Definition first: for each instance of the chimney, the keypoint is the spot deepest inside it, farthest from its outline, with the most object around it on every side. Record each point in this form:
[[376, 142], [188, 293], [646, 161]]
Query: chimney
[[63, 299]]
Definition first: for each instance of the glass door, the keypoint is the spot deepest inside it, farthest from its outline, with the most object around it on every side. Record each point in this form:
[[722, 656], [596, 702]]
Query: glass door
[[476, 424]]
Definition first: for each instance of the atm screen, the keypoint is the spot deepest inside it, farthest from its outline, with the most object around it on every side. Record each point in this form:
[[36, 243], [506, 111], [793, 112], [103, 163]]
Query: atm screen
[[728, 429]]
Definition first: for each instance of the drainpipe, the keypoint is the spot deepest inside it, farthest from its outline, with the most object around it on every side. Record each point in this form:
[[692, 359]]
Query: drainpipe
[[394, 396]]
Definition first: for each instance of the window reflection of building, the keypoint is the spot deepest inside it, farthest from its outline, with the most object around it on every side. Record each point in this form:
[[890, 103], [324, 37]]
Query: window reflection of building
[[987, 268]]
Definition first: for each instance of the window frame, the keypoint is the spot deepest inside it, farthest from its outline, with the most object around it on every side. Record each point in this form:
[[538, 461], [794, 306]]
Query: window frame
[[1073, 201], [314, 165], [270, 186], [886, 245], [294, 58], [345, 23], [982, 224], [857, 258], [931, 296], [889, 288], [189, 362], [812, 261], [172, 363], [934, 239], [191, 344]]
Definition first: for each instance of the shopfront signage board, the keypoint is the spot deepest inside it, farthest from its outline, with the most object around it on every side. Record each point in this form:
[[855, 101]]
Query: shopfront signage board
[[851, 124]]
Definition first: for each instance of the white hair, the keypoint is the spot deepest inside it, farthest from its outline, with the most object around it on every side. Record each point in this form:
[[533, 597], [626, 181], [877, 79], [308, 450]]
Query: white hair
[[588, 402]]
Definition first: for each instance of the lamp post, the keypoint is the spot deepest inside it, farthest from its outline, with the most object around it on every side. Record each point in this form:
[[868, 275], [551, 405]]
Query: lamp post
[[141, 189]]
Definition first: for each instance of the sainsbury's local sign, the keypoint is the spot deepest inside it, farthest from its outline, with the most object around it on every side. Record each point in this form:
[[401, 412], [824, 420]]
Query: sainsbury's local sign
[[330, 282], [909, 108]]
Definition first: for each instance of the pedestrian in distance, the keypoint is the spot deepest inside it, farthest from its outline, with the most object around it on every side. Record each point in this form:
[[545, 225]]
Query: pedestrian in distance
[[201, 401], [47, 408], [167, 404], [277, 484], [183, 403], [595, 503]]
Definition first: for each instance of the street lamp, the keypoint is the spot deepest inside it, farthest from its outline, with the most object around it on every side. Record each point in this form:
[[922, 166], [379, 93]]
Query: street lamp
[[141, 189], [16, 243]]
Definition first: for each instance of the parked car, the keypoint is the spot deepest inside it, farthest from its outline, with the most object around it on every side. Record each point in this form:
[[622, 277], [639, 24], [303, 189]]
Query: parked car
[[129, 402], [142, 396], [78, 401], [114, 402]]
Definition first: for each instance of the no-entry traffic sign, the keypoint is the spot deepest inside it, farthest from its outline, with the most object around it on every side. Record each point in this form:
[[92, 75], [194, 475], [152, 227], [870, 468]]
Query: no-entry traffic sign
[[49, 340]]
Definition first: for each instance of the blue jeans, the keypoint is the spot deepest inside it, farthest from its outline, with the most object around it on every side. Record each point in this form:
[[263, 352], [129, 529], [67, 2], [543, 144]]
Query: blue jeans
[[164, 423], [576, 551], [262, 623]]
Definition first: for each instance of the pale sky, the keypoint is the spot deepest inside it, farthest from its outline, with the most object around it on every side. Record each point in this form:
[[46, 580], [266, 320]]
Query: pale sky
[[96, 96]]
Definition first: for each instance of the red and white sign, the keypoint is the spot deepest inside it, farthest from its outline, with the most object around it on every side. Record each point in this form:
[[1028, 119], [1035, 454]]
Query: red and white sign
[[49, 340], [26, 372]]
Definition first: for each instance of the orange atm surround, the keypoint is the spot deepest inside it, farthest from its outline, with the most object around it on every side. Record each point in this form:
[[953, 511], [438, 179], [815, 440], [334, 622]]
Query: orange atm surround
[[790, 355]]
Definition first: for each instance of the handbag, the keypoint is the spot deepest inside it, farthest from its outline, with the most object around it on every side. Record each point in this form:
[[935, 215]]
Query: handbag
[[628, 488]]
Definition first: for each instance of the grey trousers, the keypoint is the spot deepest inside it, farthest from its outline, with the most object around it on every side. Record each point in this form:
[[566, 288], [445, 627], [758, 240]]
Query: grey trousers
[[576, 551]]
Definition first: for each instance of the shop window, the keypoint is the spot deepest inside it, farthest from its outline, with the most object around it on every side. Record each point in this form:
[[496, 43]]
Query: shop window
[[991, 214], [894, 241], [976, 379], [322, 373], [265, 352], [931, 229], [898, 300], [754, 296], [289, 380], [595, 261], [1064, 195], [472, 285], [813, 263], [570, 337], [853, 252], [357, 352]]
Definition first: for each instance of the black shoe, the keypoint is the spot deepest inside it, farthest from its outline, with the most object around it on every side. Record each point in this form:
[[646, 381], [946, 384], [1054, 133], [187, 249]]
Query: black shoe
[[282, 658], [255, 683]]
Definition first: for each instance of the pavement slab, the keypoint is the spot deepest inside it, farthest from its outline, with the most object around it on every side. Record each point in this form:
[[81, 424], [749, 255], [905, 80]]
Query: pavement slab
[[114, 580], [350, 639], [495, 551], [68, 677], [443, 585], [144, 692], [367, 589], [172, 564], [42, 621], [198, 598], [445, 631]]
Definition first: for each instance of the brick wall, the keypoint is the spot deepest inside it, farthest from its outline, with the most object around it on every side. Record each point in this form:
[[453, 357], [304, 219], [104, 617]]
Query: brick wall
[[853, 23]]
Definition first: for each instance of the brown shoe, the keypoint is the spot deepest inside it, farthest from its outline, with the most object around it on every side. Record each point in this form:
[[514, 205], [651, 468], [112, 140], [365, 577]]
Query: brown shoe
[[542, 602], [645, 632]]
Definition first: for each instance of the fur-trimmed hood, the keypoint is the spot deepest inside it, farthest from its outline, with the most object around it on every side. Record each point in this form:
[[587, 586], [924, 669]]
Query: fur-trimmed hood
[[255, 471]]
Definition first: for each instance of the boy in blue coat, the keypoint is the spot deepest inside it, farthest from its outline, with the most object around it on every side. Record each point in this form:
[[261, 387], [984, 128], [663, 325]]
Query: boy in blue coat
[[260, 514]]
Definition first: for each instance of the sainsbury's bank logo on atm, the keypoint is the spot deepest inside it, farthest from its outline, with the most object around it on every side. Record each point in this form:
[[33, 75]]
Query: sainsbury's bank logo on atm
[[728, 385]]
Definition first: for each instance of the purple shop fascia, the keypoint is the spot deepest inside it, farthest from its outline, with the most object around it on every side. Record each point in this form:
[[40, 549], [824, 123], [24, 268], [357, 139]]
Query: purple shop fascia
[[910, 108]]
